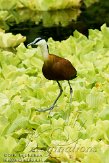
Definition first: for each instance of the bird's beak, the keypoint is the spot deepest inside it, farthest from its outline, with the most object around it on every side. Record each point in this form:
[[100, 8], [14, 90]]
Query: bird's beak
[[32, 43]]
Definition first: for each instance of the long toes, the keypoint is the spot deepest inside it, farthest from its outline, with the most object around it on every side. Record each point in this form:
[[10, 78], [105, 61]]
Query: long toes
[[44, 110]]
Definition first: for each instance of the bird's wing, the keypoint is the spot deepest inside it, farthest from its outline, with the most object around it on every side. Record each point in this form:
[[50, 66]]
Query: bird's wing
[[62, 69]]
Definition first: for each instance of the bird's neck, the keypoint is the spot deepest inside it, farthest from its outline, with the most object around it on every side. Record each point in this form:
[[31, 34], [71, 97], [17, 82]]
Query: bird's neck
[[44, 51]]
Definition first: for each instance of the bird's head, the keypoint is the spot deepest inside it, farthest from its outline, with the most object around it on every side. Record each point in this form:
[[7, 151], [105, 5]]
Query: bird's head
[[43, 46], [38, 41]]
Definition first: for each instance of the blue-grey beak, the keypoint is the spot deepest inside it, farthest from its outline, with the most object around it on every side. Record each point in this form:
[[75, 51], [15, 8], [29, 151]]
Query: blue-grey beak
[[31, 43]]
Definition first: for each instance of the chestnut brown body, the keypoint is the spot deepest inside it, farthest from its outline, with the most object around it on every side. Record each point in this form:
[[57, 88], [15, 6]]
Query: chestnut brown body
[[57, 68]]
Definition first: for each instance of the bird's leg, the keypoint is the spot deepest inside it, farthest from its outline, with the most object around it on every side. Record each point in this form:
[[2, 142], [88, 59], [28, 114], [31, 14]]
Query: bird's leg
[[71, 91], [53, 105], [61, 90]]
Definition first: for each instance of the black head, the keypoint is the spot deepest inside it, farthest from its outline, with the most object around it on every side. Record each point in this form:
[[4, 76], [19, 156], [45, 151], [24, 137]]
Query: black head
[[35, 41], [39, 41]]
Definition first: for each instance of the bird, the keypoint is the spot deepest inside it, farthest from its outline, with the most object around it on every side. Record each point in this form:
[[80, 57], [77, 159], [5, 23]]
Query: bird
[[55, 68]]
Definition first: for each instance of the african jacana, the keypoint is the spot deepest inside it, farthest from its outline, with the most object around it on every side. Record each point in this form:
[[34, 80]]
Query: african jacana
[[55, 68]]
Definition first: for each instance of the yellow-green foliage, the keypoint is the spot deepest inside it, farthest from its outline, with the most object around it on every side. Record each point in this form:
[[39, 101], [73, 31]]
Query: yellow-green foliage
[[76, 132], [39, 5]]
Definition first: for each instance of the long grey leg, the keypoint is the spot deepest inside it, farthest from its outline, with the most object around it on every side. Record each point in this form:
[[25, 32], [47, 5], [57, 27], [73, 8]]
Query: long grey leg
[[71, 91], [53, 105]]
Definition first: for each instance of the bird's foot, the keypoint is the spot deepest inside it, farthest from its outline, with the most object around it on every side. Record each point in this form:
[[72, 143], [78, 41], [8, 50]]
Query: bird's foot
[[47, 109]]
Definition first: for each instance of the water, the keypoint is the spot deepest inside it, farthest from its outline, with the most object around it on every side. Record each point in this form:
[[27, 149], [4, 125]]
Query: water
[[81, 20]]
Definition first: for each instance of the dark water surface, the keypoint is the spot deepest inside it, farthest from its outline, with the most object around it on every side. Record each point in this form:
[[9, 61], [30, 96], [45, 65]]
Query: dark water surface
[[91, 17]]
